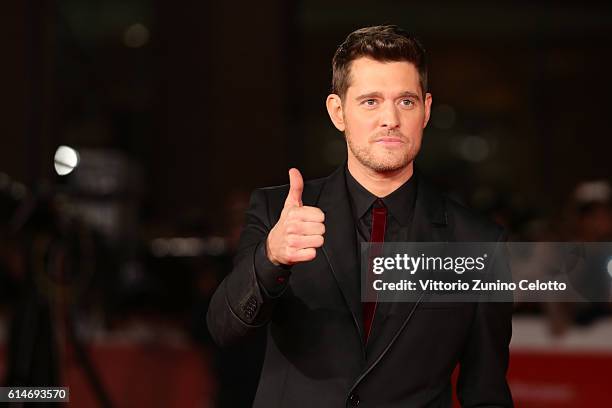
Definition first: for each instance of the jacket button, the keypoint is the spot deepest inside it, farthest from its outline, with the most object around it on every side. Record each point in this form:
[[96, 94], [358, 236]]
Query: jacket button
[[353, 400]]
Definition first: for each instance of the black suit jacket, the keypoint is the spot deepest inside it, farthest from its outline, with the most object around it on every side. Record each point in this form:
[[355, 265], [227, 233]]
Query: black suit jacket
[[315, 356]]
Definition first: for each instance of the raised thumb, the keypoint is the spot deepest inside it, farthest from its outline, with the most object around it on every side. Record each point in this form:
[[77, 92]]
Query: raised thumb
[[296, 186]]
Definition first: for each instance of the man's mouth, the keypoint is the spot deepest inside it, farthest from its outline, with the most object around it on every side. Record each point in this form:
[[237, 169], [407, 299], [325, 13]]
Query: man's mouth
[[389, 141]]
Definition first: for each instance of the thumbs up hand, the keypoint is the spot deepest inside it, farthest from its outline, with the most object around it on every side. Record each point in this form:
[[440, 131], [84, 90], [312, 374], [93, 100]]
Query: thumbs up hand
[[299, 230]]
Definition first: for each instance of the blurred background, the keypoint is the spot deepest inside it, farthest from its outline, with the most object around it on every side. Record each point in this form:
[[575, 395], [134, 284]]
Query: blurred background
[[173, 113]]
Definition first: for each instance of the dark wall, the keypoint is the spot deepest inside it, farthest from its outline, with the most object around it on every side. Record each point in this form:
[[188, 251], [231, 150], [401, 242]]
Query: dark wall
[[226, 96]]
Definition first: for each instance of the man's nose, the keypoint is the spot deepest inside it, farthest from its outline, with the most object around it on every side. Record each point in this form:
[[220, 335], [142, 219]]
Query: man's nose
[[389, 116]]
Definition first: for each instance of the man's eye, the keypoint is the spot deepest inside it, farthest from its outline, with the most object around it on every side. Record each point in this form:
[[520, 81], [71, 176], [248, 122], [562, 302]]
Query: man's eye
[[369, 102], [407, 102]]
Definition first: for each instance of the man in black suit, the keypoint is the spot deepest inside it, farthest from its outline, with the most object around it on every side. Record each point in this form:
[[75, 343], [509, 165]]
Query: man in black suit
[[296, 273]]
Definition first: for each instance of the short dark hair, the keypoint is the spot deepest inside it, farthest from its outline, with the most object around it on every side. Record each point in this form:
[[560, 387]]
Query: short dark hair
[[382, 43]]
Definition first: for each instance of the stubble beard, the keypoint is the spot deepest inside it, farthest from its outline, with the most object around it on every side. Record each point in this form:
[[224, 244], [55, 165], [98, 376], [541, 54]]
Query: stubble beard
[[384, 161]]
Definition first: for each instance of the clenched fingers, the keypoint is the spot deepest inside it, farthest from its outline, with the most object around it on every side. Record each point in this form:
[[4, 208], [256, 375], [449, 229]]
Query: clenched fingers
[[306, 213], [305, 228], [305, 241]]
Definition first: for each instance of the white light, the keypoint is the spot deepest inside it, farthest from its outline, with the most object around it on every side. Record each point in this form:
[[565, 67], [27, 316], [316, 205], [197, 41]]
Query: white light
[[610, 267], [66, 160], [136, 36], [593, 191]]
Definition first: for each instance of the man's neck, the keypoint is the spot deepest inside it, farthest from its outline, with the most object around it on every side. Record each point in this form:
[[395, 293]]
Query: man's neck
[[377, 183]]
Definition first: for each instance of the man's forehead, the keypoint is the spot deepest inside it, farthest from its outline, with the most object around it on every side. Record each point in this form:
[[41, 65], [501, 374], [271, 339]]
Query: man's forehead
[[368, 76]]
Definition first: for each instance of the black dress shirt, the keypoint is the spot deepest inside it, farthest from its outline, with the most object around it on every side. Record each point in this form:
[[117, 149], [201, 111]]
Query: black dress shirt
[[400, 209]]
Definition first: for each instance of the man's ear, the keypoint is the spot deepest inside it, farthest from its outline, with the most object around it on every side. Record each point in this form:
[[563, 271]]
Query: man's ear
[[427, 108], [334, 109]]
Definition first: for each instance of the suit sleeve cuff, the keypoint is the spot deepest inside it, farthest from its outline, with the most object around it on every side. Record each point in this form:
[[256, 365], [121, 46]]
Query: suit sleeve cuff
[[272, 278]]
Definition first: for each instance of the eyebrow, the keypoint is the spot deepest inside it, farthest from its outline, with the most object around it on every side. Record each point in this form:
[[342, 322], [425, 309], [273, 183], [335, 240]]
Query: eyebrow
[[378, 95]]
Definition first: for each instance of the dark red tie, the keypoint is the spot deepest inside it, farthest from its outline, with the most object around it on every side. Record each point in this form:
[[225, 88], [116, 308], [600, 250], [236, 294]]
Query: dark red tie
[[377, 234]]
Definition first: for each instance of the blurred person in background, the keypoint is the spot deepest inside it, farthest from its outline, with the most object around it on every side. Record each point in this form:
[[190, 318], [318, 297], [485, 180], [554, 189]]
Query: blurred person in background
[[53, 275], [586, 218], [590, 220], [592, 212]]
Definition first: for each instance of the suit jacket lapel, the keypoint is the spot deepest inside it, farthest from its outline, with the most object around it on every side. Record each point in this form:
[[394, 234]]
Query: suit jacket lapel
[[340, 245], [429, 224]]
